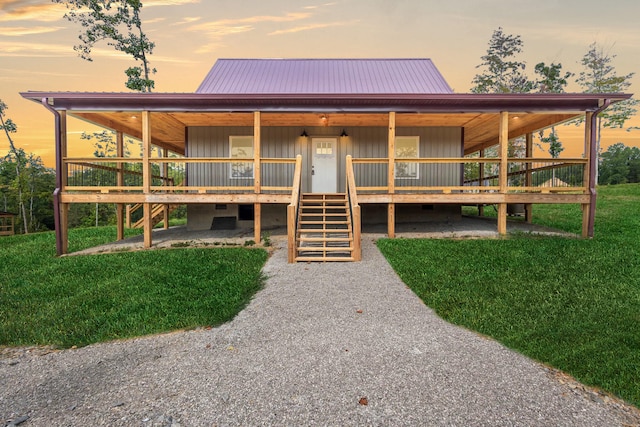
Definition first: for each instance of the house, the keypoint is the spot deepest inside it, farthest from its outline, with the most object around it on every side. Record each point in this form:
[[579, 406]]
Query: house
[[321, 146]]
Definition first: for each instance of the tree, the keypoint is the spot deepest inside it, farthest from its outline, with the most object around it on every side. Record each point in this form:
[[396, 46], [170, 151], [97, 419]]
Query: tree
[[620, 164], [105, 145], [10, 127], [503, 72], [551, 80], [119, 23], [29, 191], [600, 76]]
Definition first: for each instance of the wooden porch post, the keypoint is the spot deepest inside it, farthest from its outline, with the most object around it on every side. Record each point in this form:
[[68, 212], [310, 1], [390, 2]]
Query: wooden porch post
[[481, 181], [146, 177], [528, 207], [503, 177], [64, 174], [391, 217], [586, 207], [120, 183], [257, 208], [165, 174]]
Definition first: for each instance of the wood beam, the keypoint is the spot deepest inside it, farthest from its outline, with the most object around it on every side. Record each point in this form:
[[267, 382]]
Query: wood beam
[[119, 183], [257, 222], [147, 224], [256, 153], [391, 177], [285, 199], [502, 219], [391, 220], [528, 207], [165, 173], [503, 176], [146, 152], [146, 176]]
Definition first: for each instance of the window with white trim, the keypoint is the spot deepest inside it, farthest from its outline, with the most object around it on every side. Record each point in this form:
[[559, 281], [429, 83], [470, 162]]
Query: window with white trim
[[407, 147], [241, 147]]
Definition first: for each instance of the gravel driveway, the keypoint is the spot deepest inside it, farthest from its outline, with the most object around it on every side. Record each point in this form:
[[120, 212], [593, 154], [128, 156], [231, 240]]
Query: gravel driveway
[[321, 344]]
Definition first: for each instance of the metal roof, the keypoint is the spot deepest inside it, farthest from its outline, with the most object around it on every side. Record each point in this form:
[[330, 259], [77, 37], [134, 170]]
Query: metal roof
[[324, 76]]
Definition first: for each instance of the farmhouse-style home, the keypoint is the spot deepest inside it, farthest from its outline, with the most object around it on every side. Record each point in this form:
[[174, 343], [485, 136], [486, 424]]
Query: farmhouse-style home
[[322, 146]]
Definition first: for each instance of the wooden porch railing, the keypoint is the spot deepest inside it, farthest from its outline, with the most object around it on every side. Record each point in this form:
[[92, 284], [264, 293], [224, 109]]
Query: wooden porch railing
[[100, 174], [435, 175], [354, 208], [207, 174], [292, 210], [541, 175]]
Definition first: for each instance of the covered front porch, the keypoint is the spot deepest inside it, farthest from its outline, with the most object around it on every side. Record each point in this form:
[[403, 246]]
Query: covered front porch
[[278, 168]]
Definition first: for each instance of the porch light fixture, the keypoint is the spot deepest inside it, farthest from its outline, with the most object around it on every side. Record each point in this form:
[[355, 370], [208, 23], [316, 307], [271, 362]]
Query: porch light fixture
[[304, 133], [344, 133]]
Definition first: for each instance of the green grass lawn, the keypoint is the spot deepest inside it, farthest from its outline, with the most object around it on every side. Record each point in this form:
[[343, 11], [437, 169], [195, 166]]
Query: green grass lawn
[[79, 300], [570, 303]]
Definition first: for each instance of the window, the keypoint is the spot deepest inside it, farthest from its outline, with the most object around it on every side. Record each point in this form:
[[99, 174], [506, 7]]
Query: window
[[407, 147], [241, 147], [324, 148]]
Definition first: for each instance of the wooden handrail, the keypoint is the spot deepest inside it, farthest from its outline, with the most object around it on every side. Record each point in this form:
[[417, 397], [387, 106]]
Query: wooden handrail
[[376, 160], [292, 210], [354, 208]]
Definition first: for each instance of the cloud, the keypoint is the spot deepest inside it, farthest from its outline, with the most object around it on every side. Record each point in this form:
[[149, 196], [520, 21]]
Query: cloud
[[312, 27], [154, 21], [152, 3], [187, 20], [21, 10], [39, 12], [43, 50], [25, 31], [225, 27], [11, 74]]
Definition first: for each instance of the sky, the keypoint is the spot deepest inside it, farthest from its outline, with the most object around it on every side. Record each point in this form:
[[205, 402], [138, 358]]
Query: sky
[[36, 45]]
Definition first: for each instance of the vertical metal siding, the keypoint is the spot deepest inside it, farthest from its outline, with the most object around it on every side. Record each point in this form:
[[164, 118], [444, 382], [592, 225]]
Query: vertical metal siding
[[362, 142]]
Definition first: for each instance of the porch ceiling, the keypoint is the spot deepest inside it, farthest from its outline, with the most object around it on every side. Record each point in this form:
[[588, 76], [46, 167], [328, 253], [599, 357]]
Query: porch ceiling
[[172, 113], [168, 129]]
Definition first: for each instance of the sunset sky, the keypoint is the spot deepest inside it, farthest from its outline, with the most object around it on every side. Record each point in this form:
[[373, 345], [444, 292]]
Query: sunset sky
[[36, 44]]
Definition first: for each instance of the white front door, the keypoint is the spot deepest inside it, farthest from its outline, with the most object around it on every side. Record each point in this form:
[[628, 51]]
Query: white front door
[[324, 169]]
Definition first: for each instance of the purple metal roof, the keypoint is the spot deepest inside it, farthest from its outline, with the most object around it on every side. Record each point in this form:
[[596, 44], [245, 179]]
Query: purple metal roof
[[324, 76]]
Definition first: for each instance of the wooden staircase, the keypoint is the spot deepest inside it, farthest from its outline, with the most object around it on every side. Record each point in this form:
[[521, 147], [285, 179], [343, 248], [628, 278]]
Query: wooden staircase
[[157, 214], [324, 228]]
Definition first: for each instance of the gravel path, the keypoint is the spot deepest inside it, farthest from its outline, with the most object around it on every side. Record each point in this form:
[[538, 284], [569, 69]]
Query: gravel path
[[321, 344]]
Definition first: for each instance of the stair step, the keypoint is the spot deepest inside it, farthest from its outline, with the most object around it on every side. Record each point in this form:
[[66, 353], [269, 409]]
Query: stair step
[[323, 222], [320, 249], [325, 239], [321, 259], [324, 230], [322, 214]]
